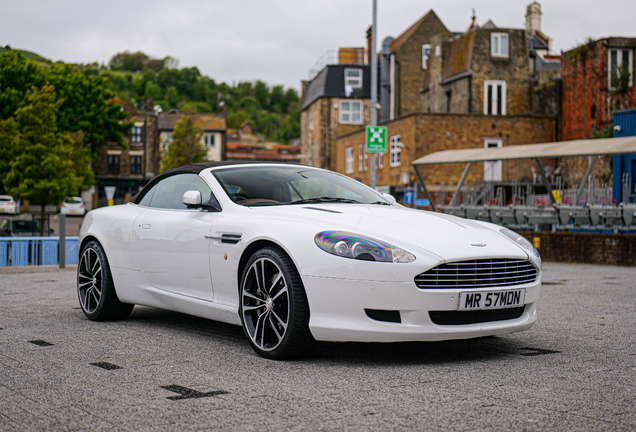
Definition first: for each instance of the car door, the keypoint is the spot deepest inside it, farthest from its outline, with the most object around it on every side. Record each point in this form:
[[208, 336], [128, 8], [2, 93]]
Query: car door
[[173, 244]]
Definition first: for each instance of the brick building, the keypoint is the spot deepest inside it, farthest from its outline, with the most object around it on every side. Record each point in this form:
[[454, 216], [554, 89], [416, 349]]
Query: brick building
[[593, 86], [336, 101], [129, 168], [243, 145], [425, 133]]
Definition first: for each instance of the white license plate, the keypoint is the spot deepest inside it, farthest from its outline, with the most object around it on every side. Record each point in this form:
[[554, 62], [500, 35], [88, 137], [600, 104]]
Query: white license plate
[[491, 299], [73, 211]]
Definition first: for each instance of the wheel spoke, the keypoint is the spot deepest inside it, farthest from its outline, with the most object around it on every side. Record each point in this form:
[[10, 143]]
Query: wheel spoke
[[263, 278], [82, 285], [272, 324], [95, 297], [251, 308], [279, 319], [246, 294], [282, 291], [94, 264], [86, 298], [87, 261], [278, 278], [259, 323], [85, 277], [97, 271]]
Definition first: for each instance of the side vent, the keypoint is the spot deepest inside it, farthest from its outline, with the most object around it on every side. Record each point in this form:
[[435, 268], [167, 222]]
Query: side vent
[[230, 238]]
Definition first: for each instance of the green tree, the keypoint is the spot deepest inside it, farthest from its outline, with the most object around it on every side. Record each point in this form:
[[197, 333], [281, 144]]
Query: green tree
[[87, 107], [17, 76], [172, 97], [9, 135], [128, 61], [186, 146], [236, 119], [152, 90], [42, 169]]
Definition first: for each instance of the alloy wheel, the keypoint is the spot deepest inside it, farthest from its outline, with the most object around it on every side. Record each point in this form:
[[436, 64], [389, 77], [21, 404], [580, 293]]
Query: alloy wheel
[[265, 304], [90, 280]]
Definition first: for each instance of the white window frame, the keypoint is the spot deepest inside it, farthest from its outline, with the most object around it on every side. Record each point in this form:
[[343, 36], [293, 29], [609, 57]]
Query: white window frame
[[396, 151], [438, 50], [493, 169], [366, 159], [426, 52], [135, 134], [351, 111], [496, 42], [358, 79], [493, 102], [349, 160], [311, 119], [360, 158], [619, 63], [208, 138]]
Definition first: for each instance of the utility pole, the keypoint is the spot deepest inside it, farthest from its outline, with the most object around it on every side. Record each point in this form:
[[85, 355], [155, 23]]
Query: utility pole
[[374, 84]]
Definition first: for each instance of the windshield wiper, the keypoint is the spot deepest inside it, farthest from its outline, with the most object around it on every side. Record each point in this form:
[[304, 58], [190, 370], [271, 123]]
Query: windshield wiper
[[324, 199], [381, 203]]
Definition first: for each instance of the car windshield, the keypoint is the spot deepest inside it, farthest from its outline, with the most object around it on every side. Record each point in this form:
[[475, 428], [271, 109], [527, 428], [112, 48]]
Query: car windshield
[[24, 226], [267, 186], [5, 198], [73, 201]]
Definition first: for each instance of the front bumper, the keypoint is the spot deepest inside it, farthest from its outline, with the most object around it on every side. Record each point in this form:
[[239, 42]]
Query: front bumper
[[337, 311]]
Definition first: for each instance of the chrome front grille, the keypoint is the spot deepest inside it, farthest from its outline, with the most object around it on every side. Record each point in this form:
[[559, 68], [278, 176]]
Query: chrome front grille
[[482, 273]]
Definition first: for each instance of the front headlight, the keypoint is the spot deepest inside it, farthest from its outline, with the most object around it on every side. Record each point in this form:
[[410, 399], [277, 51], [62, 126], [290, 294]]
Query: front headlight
[[355, 246], [520, 241]]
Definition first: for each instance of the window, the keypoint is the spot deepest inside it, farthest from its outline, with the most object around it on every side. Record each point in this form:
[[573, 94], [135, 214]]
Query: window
[[396, 150], [353, 78], [209, 139], [351, 112], [620, 63], [311, 119], [360, 158], [448, 101], [495, 97], [168, 139], [168, 193], [135, 164], [438, 50], [135, 134], [366, 159], [113, 164], [499, 44], [349, 160], [492, 169], [426, 50]]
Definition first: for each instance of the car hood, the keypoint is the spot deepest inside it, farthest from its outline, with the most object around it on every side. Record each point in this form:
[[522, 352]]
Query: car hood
[[449, 237]]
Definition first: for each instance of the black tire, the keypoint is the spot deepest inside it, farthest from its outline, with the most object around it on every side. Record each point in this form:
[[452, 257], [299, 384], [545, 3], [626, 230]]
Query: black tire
[[281, 312], [95, 288]]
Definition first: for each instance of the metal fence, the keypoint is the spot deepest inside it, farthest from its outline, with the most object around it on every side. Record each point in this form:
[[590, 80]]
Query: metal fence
[[24, 251]]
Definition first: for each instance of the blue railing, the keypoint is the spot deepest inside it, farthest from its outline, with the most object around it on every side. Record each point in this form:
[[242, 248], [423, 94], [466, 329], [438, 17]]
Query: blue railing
[[24, 251]]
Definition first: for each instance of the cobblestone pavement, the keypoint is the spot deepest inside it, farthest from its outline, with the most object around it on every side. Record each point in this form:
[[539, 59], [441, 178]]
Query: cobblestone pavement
[[158, 370]]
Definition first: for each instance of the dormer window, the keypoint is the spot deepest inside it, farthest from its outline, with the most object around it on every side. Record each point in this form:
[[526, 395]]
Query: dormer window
[[353, 78], [426, 50], [135, 134], [499, 44]]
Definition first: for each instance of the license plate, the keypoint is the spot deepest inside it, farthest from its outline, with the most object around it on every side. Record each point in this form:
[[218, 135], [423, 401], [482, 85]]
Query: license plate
[[491, 299], [73, 211]]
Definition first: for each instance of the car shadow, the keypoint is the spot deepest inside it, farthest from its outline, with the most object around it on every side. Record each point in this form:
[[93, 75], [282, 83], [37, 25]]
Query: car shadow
[[354, 353]]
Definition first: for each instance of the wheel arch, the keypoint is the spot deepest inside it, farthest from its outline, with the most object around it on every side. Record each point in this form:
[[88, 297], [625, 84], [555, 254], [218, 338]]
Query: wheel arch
[[251, 249]]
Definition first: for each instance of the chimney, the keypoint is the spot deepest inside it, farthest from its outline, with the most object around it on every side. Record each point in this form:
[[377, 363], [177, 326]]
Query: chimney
[[533, 18], [369, 36]]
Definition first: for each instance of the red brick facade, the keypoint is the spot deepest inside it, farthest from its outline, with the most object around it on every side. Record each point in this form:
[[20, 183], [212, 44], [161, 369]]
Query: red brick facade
[[588, 100]]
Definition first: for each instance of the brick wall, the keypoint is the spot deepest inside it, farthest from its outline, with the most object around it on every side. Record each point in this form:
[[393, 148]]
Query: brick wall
[[587, 102], [586, 248], [429, 133]]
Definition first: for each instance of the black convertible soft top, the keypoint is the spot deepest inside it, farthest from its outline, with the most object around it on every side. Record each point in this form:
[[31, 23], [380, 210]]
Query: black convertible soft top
[[193, 168]]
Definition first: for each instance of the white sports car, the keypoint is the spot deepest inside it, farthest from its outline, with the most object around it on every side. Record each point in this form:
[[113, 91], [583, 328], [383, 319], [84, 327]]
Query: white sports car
[[297, 254]]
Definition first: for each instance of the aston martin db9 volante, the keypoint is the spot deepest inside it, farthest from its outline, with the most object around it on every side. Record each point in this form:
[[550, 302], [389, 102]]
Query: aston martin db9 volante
[[296, 254]]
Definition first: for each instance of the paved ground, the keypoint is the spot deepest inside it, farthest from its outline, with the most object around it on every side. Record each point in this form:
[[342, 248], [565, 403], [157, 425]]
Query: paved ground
[[158, 370]]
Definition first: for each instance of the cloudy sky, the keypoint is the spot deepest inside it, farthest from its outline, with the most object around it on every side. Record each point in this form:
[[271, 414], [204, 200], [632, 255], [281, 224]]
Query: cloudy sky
[[277, 41]]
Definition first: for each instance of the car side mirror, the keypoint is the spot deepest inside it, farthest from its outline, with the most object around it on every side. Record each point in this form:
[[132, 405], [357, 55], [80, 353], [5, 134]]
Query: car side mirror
[[192, 200], [390, 198]]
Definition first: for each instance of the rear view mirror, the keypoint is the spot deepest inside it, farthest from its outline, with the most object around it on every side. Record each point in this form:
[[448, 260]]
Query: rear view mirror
[[390, 198]]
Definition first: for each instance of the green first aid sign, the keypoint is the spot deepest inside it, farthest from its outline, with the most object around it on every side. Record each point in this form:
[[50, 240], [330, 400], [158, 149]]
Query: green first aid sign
[[376, 139]]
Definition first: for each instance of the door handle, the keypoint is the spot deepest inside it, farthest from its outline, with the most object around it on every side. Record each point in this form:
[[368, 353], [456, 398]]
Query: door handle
[[145, 226]]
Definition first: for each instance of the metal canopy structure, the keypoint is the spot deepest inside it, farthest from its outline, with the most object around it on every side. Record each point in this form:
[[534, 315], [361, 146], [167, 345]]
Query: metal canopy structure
[[587, 147]]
